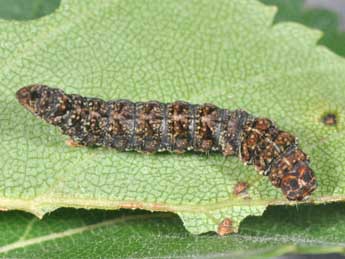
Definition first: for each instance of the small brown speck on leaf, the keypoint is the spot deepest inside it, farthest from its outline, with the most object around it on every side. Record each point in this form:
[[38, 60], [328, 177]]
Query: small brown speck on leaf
[[330, 119], [225, 227], [241, 189]]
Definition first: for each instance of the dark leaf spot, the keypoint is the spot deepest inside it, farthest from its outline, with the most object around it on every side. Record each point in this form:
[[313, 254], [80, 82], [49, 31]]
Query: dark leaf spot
[[330, 119]]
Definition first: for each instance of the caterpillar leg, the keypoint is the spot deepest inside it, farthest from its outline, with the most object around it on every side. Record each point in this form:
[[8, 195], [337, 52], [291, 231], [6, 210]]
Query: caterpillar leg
[[72, 143], [179, 152], [146, 152]]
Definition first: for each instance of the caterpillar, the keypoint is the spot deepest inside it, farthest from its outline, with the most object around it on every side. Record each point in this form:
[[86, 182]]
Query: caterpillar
[[176, 127]]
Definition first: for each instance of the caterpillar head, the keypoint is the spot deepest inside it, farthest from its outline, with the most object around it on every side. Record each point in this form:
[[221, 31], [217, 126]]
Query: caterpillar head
[[29, 96], [43, 101]]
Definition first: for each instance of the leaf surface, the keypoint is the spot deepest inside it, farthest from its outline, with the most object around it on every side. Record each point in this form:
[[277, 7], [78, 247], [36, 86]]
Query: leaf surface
[[232, 57]]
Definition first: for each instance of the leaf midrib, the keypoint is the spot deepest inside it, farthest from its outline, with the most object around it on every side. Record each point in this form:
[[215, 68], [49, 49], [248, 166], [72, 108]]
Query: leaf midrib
[[37, 240]]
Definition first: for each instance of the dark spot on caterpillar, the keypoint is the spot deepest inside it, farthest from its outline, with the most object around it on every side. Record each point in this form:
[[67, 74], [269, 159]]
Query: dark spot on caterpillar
[[330, 119], [241, 189], [225, 227], [176, 127]]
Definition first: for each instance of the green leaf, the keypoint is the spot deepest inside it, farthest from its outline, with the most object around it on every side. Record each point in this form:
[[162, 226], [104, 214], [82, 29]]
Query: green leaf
[[26, 9], [69, 233], [230, 56], [324, 20]]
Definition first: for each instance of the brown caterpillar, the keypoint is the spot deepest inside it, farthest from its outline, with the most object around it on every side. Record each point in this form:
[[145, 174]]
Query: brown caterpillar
[[176, 127]]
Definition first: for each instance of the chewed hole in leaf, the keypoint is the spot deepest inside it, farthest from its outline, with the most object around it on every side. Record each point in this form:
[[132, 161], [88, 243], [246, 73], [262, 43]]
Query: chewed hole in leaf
[[22, 10]]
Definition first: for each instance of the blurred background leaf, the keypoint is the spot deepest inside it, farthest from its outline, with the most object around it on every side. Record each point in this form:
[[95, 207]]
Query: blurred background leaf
[[324, 20], [72, 233]]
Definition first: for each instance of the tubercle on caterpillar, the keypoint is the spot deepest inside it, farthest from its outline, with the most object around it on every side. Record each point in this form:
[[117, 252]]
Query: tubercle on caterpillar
[[176, 127]]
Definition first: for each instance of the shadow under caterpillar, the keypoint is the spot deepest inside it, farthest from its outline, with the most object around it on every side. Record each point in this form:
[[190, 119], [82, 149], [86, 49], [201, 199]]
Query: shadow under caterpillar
[[176, 127]]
